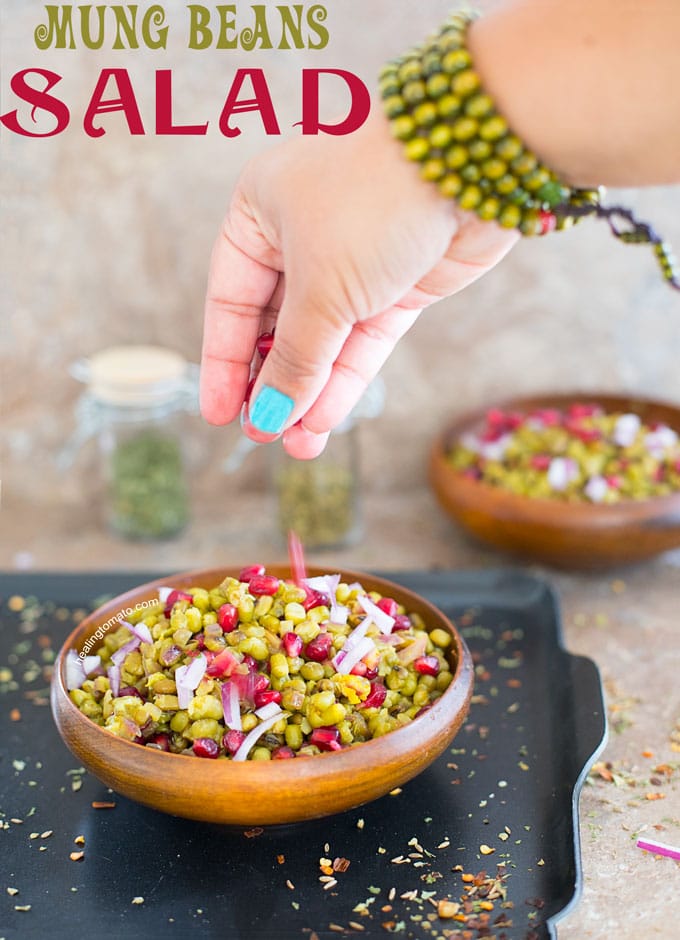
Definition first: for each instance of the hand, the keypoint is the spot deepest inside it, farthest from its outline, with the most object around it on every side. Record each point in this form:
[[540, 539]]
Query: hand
[[338, 243]]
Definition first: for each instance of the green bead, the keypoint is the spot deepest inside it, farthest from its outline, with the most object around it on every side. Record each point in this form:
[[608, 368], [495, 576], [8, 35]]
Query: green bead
[[448, 105], [409, 71], [525, 163], [451, 185], [464, 128], [465, 83], [479, 149], [536, 180], [493, 128], [450, 39], [471, 173], [432, 64], [389, 86], [455, 61], [394, 106], [552, 193], [417, 148], [414, 91], [456, 156], [437, 85], [531, 223], [506, 184], [425, 113], [489, 208], [494, 168], [509, 148], [470, 197], [440, 136], [388, 70], [510, 216], [479, 105], [403, 127], [519, 197], [433, 169]]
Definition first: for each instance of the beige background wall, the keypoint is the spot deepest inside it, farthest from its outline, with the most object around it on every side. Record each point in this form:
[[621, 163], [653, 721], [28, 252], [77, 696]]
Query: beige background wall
[[107, 241]]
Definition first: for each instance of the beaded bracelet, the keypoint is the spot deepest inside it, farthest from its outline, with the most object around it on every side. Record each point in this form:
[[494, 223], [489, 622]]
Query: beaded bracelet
[[437, 107]]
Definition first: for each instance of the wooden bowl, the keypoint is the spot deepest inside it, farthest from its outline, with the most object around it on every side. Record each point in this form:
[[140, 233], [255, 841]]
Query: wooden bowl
[[568, 535], [254, 792]]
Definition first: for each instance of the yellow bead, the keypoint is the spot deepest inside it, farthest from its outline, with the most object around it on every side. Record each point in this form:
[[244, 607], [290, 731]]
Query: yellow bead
[[525, 163], [494, 168], [417, 148], [433, 169], [448, 105], [394, 106], [510, 216], [479, 105], [506, 184], [409, 70], [464, 128], [493, 128], [451, 185], [440, 136], [479, 149], [509, 147], [456, 156], [425, 113], [535, 180], [456, 60], [403, 127], [437, 85], [470, 197], [489, 208], [465, 83], [414, 91]]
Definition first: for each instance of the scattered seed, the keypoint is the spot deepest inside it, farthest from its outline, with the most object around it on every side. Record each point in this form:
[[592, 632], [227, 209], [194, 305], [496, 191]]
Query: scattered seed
[[79, 840], [486, 849], [34, 835], [253, 833], [102, 804], [447, 909], [360, 825], [15, 715], [137, 900], [12, 891], [331, 883], [16, 603], [77, 856], [392, 894], [17, 822], [290, 885], [354, 925], [19, 765], [444, 845], [46, 834], [22, 907]]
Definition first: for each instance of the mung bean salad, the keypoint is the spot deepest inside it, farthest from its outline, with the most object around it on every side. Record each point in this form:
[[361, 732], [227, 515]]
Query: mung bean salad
[[262, 668]]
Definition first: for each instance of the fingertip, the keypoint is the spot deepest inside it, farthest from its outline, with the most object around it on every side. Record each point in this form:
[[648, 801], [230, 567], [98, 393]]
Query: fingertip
[[304, 444]]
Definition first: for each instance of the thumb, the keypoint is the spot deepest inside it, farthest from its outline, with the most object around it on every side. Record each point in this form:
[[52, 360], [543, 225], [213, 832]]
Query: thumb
[[307, 341]]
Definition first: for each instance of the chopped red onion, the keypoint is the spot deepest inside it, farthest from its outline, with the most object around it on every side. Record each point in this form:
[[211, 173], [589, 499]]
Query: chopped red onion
[[113, 673], [164, 593], [231, 706], [659, 848], [596, 489], [75, 671], [345, 664], [626, 429], [91, 664], [355, 637], [254, 736], [561, 472], [268, 710], [659, 440], [119, 656], [382, 620], [187, 679], [140, 629], [355, 586]]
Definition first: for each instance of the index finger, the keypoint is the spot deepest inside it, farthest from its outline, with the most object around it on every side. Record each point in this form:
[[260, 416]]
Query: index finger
[[240, 290]]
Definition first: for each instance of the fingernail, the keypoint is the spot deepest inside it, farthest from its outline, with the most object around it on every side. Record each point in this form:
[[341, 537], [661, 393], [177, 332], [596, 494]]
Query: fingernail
[[271, 410]]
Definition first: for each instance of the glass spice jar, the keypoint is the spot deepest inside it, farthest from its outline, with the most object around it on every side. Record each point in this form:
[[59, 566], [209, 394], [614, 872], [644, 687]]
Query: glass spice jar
[[136, 400]]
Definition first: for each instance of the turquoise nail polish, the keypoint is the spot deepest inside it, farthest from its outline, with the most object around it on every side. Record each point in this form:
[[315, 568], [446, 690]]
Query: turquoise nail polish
[[271, 410]]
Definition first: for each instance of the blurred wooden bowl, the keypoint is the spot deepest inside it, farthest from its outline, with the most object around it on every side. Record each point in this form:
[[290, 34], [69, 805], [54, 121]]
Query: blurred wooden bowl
[[258, 792], [569, 535]]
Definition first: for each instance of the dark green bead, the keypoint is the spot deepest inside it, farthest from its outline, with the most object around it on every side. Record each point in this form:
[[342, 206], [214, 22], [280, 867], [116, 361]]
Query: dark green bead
[[552, 193], [440, 136], [414, 92], [450, 39], [519, 197], [437, 85], [525, 163], [471, 173], [531, 223], [432, 64], [389, 86], [479, 149], [534, 181], [387, 71], [410, 70], [494, 168], [493, 128]]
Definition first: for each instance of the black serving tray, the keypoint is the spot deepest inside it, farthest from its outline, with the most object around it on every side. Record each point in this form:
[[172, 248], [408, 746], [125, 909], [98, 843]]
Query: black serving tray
[[535, 726]]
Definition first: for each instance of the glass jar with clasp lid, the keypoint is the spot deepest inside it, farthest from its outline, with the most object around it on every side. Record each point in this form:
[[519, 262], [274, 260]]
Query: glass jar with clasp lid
[[135, 404]]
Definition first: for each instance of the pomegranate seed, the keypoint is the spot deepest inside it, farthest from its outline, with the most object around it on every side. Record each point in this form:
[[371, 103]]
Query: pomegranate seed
[[371, 672], [326, 739], [283, 753], [614, 481], [266, 696], [314, 599], [172, 599], [251, 571], [540, 461], [161, 742], [388, 606], [359, 669], [227, 617], [550, 417], [402, 622], [496, 418], [200, 642], [490, 435], [318, 649], [223, 664], [376, 696], [130, 691], [578, 410], [260, 685], [265, 341], [292, 643], [250, 662], [426, 665], [206, 747], [548, 221], [232, 741], [263, 584], [515, 420]]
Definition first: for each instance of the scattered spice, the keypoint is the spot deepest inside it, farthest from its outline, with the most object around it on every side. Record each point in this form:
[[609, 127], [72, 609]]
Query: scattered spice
[[103, 804], [254, 832]]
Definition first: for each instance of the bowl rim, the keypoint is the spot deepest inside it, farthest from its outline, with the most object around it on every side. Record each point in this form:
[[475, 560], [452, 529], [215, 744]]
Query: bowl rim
[[572, 514], [387, 744]]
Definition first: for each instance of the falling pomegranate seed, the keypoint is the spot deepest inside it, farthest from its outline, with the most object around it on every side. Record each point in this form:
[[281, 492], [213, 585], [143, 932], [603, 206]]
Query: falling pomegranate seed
[[426, 665], [326, 739], [263, 584], [401, 622], [283, 753], [376, 696], [318, 649], [388, 606], [223, 664], [232, 741], [265, 341], [541, 461], [129, 690], [292, 643], [161, 742], [251, 571], [206, 747], [227, 617], [172, 599]]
